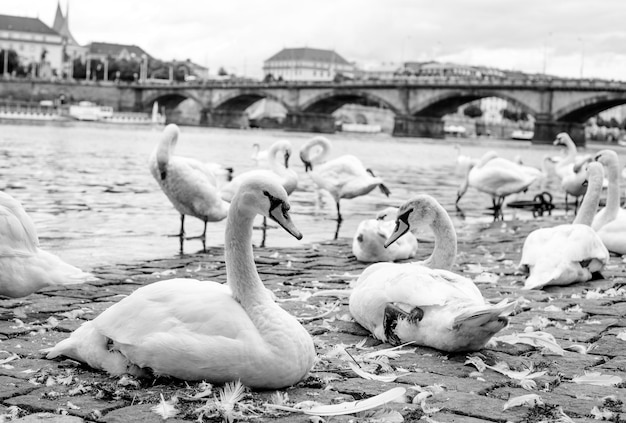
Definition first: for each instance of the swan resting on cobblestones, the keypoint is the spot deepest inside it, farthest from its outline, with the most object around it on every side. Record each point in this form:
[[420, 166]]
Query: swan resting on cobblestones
[[24, 267], [369, 239], [200, 330], [190, 185], [421, 302], [569, 253]]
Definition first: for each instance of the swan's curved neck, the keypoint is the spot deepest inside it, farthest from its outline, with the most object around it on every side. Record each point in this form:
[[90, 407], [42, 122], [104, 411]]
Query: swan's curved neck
[[571, 150], [590, 201], [241, 273], [444, 253], [318, 149], [613, 190]]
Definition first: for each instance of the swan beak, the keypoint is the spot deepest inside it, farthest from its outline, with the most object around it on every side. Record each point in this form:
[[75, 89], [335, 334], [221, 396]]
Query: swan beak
[[280, 215], [287, 159], [401, 228]]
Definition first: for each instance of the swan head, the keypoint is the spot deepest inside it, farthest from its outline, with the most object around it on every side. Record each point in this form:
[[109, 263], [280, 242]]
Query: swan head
[[607, 157], [169, 138], [387, 212], [562, 138], [420, 210], [305, 159], [262, 193]]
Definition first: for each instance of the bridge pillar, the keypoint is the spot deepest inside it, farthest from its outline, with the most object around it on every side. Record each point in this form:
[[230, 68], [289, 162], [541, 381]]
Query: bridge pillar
[[414, 126], [225, 119], [546, 131], [310, 122]]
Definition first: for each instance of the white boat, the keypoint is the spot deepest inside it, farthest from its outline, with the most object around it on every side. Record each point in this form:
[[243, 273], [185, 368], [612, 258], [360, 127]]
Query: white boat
[[86, 110], [520, 134]]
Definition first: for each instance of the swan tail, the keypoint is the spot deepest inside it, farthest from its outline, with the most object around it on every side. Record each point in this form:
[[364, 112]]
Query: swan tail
[[488, 315], [87, 345]]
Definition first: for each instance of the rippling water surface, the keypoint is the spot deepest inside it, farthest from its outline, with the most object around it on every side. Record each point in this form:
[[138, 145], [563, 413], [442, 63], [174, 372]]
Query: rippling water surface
[[94, 202]]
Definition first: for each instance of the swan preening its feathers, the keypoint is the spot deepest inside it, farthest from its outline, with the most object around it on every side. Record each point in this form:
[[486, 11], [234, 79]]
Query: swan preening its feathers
[[343, 177], [569, 253], [425, 303], [191, 186], [497, 177], [24, 267], [570, 169], [200, 330]]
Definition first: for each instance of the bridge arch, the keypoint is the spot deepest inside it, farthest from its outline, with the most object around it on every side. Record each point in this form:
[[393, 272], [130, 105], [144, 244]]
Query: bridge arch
[[169, 100], [582, 110], [240, 100], [329, 102], [448, 102]]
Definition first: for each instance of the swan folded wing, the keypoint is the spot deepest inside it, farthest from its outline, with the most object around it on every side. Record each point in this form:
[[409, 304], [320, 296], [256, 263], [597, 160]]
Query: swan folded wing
[[613, 235], [500, 180], [17, 231]]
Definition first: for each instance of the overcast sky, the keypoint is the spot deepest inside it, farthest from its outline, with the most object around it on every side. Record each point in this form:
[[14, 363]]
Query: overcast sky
[[562, 37]]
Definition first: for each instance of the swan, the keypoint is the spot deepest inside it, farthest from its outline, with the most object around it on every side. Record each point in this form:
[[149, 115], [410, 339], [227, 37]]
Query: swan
[[610, 222], [569, 169], [371, 234], [497, 177], [343, 177], [201, 330], [190, 185], [260, 157], [568, 253], [24, 267], [423, 304], [278, 161]]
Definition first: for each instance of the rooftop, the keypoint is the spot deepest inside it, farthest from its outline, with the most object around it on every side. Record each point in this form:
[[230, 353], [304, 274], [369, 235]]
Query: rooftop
[[18, 23], [308, 54]]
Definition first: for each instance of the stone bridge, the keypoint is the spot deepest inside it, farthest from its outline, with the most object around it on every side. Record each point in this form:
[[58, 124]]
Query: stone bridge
[[418, 104]]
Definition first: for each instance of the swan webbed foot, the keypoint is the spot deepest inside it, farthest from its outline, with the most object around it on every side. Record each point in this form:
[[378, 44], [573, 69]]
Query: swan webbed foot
[[390, 320]]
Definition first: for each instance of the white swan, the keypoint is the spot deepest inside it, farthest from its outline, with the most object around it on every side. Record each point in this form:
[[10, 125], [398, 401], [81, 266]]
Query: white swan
[[260, 157], [343, 177], [570, 169], [568, 253], [411, 302], [278, 162], [200, 330], [24, 267], [610, 222], [189, 184], [369, 239], [497, 177]]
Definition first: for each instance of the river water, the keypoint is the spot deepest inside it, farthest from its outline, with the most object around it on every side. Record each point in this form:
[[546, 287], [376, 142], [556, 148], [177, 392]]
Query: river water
[[94, 202]]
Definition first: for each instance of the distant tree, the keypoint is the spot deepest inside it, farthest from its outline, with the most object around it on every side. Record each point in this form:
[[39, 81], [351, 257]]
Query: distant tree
[[613, 123], [473, 111], [13, 61], [222, 71]]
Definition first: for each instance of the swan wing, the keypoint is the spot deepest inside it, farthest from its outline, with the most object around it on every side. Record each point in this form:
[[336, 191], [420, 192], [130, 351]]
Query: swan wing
[[17, 230], [613, 234]]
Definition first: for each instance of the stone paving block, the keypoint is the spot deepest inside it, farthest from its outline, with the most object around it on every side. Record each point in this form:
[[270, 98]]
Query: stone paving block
[[13, 387], [475, 406], [48, 418], [136, 414]]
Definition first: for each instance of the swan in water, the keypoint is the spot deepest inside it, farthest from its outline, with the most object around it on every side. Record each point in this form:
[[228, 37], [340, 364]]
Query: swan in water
[[278, 161], [24, 267], [343, 177], [422, 302], [201, 330], [569, 253], [370, 236], [610, 222], [261, 158], [570, 169], [497, 177], [189, 184]]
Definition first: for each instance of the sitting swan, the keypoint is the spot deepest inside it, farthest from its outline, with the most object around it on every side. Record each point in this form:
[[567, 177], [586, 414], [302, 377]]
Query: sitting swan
[[199, 330], [497, 177], [370, 236], [190, 185], [343, 177], [411, 302], [24, 267], [610, 222], [569, 253]]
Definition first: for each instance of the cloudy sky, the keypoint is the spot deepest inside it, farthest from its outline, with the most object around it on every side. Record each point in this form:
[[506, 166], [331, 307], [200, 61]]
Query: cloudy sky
[[562, 37]]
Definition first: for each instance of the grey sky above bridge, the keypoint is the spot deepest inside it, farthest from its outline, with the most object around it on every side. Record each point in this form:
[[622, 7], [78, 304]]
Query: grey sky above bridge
[[562, 37]]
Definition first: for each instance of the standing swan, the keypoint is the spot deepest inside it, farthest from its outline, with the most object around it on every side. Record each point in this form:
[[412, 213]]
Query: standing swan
[[610, 222], [24, 267], [568, 253], [343, 177], [570, 169], [189, 184], [199, 330], [497, 177], [278, 162], [411, 302]]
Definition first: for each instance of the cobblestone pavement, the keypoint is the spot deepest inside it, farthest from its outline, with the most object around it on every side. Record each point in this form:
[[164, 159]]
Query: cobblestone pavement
[[439, 387]]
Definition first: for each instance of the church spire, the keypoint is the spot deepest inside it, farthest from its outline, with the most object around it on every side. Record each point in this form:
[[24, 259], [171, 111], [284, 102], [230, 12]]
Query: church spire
[[59, 20]]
